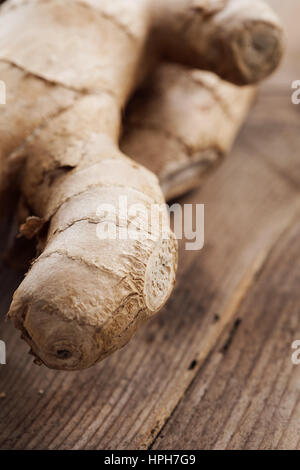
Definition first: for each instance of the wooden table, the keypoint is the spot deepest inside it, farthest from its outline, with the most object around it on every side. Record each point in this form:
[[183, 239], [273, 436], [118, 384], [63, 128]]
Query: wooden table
[[214, 369]]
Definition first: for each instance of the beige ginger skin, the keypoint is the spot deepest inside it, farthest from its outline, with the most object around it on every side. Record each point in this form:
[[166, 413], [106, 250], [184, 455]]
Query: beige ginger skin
[[70, 75], [183, 148]]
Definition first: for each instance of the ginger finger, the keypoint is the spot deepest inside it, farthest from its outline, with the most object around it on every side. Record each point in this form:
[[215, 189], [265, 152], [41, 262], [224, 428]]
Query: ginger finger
[[240, 40], [182, 124]]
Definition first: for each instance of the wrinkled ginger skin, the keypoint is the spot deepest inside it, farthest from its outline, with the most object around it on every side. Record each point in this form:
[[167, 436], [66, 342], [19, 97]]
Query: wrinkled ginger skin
[[182, 148], [241, 40], [79, 62], [83, 297]]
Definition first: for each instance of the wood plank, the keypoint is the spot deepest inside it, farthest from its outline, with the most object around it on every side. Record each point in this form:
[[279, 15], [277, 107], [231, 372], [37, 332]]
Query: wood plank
[[248, 394]]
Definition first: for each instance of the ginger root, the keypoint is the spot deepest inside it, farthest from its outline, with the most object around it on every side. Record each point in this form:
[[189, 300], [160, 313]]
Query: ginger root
[[69, 76]]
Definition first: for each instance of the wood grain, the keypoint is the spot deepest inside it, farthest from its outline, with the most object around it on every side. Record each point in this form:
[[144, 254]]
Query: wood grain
[[183, 382], [247, 395]]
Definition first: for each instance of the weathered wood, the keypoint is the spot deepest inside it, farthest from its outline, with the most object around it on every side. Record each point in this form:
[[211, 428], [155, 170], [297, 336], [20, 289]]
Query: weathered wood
[[248, 394]]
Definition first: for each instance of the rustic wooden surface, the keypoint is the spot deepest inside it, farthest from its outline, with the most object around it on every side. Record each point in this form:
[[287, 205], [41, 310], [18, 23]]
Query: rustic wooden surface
[[214, 369]]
